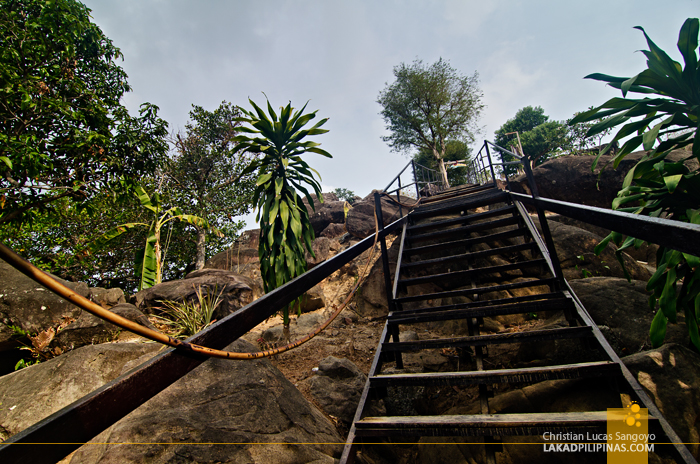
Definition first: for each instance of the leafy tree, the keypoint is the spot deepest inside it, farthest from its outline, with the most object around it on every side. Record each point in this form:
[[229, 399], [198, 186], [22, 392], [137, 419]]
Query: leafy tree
[[427, 106], [284, 221], [345, 194], [657, 186], [63, 131], [455, 150], [205, 175], [540, 137]]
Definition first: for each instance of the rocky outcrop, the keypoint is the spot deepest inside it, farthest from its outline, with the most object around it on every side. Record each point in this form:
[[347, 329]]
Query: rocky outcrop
[[331, 211], [621, 310], [360, 221], [337, 387], [88, 329], [570, 178], [34, 393], [371, 299], [221, 401], [670, 375], [236, 291], [575, 250]]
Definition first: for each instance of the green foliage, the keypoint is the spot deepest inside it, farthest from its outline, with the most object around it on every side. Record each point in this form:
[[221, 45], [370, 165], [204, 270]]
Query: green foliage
[[63, 131], [427, 106], [345, 195], [455, 150], [148, 263], [187, 318], [656, 186], [205, 173], [284, 221]]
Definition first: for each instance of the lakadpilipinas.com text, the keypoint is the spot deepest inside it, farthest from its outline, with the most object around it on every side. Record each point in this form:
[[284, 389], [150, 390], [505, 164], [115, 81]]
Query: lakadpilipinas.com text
[[598, 442]]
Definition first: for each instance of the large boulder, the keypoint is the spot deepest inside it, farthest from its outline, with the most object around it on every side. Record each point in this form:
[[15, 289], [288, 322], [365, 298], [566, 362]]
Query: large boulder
[[236, 291], [621, 310], [30, 306], [221, 401], [575, 250], [670, 375], [35, 392], [331, 211], [337, 387], [570, 178], [371, 298], [360, 221], [88, 329]]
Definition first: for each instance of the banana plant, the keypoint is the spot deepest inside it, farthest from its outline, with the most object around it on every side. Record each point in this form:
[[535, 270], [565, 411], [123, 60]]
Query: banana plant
[[656, 186], [285, 229], [148, 264]]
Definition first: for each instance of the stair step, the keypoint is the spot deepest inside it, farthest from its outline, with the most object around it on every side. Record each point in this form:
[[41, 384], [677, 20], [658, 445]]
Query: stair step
[[469, 272], [476, 291], [555, 304], [472, 255], [487, 424], [482, 303], [462, 203], [467, 242], [462, 219], [494, 376], [509, 221], [442, 196], [491, 339]]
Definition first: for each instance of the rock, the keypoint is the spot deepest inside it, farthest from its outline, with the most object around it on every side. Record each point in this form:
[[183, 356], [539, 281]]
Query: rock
[[35, 392], [237, 291], [331, 211], [298, 327], [575, 247], [313, 300], [88, 329], [360, 221], [337, 387], [106, 297], [621, 310], [670, 376], [334, 230], [30, 306], [371, 298], [323, 248], [221, 401], [569, 178]]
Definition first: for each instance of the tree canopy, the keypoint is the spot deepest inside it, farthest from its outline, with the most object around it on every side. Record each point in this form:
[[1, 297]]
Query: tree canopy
[[63, 131], [205, 174], [455, 150], [428, 105]]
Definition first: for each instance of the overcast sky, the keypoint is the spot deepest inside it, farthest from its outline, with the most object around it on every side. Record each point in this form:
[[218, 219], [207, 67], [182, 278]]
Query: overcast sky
[[340, 54]]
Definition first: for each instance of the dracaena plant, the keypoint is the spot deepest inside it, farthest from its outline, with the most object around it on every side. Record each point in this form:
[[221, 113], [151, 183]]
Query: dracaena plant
[[285, 229], [664, 119]]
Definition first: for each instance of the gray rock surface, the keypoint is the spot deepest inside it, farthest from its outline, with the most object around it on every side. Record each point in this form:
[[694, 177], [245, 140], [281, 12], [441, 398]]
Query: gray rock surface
[[237, 291], [337, 387], [34, 393], [225, 402], [671, 375]]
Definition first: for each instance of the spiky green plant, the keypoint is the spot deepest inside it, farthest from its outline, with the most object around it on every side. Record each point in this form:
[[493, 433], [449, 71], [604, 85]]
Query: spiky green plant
[[186, 318], [284, 220], [656, 186]]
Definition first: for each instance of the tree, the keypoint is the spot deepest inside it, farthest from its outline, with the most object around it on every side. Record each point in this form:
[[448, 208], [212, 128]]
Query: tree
[[540, 137], [656, 186], [455, 150], [284, 221], [427, 106], [63, 131], [205, 174], [345, 194]]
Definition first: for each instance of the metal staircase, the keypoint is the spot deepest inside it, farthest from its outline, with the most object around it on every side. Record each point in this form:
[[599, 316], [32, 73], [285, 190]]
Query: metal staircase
[[465, 255]]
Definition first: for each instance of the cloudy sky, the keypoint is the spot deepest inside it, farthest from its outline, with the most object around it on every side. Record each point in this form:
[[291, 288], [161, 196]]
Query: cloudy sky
[[339, 54]]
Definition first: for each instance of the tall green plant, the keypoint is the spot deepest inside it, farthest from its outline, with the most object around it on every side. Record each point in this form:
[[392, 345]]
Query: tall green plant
[[148, 263], [657, 186], [284, 220]]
